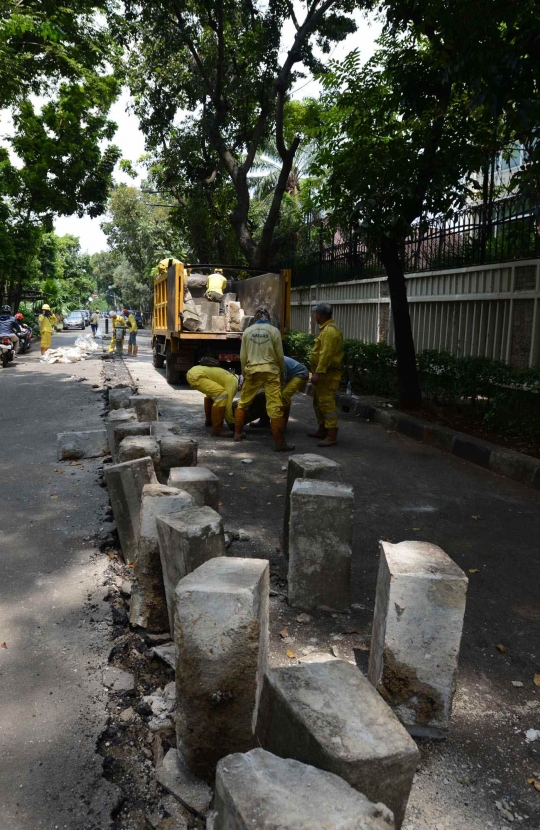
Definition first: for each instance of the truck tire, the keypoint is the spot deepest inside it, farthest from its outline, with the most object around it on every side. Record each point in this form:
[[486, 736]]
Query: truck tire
[[172, 374], [158, 360]]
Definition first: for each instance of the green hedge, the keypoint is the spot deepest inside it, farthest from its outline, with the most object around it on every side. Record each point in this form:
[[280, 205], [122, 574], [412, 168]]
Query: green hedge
[[504, 397]]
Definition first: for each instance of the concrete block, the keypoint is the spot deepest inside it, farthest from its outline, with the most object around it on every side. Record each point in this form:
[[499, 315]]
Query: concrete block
[[138, 446], [186, 541], [320, 538], [229, 298], [221, 633], [327, 714], [114, 419], [159, 429], [219, 323], [247, 321], [419, 609], [199, 482], [193, 793], [119, 398], [145, 406], [148, 602], [127, 429], [259, 790], [91, 444], [125, 484], [311, 466], [178, 452], [209, 308], [234, 316]]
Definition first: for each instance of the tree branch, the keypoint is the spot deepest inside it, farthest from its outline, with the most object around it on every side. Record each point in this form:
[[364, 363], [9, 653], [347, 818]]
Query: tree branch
[[196, 57]]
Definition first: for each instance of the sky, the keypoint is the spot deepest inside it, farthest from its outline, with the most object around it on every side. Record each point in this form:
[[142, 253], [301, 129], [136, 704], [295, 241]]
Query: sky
[[131, 141]]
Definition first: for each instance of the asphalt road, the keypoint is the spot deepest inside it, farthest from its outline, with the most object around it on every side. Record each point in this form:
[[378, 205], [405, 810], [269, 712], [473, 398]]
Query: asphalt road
[[406, 490], [53, 627]]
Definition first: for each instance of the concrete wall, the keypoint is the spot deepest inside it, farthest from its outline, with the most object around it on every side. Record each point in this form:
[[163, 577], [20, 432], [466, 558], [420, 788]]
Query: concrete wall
[[490, 310]]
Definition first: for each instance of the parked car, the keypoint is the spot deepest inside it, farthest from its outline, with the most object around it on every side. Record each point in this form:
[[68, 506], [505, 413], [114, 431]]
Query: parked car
[[74, 320], [85, 313], [139, 319]]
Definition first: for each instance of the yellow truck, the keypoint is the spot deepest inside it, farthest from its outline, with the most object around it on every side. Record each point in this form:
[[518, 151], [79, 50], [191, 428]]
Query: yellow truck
[[178, 347]]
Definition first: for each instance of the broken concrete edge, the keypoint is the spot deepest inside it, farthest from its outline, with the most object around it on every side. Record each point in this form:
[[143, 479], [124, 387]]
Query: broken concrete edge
[[514, 465], [193, 793]]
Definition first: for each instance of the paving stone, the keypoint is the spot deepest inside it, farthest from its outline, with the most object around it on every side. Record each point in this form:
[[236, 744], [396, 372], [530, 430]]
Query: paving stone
[[417, 626], [259, 790], [327, 714], [125, 484]]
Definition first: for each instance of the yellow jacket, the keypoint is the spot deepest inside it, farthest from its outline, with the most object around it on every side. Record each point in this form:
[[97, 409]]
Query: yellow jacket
[[119, 320], [262, 350], [327, 353], [46, 323], [216, 282], [222, 378], [132, 323]]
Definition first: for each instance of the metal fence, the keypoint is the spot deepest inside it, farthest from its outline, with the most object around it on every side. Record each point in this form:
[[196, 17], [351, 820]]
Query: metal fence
[[498, 231]]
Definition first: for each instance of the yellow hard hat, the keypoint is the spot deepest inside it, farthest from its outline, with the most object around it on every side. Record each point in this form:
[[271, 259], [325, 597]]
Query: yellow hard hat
[[46, 307]]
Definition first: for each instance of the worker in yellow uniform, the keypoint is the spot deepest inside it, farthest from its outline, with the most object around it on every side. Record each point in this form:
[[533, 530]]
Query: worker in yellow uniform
[[326, 359], [215, 286], [263, 367], [47, 320], [296, 378], [133, 328], [219, 388], [118, 321]]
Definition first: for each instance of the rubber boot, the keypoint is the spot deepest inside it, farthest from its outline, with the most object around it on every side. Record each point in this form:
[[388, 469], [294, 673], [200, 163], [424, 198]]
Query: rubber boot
[[208, 402], [278, 434], [218, 413], [322, 432], [239, 420], [135, 351], [130, 350], [286, 413], [330, 439]]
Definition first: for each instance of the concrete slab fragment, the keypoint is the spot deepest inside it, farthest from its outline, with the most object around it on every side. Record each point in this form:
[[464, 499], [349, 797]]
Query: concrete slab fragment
[[91, 444], [418, 620], [191, 791], [125, 484]]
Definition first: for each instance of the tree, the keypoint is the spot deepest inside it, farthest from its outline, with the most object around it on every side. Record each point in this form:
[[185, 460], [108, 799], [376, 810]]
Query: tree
[[224, 64], [400, 137]]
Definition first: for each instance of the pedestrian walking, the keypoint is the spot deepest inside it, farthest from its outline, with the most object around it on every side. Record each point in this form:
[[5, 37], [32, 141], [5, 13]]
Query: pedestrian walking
[[94, 322], [296, 378], [219, 388], [47, 320], [263, 367], [133, 328], [326, 359]]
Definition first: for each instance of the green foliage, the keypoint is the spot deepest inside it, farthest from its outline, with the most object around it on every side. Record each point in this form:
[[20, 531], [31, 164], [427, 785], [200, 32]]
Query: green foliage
[[298, 344]]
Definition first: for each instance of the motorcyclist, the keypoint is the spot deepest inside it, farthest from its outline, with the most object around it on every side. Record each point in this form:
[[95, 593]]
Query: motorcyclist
[[9, 326]]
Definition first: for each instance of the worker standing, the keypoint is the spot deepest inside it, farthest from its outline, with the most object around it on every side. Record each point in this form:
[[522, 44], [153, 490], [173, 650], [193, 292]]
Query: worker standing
[[296, 378], [219, 388], [215, 286], [326, 359], [263, 366], [46, 322], [133, 328], [118, 321]]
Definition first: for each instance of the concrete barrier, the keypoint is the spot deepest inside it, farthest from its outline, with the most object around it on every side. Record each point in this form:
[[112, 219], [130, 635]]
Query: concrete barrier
[[258, 791], [320, 545], [75, 445], [199, 482], [148, 602], [132, 447], [327, 714], [119, 398], [125, 484], [418, 620], [221, 634], [177, 452], [310, 466], [114, 419], [186, 541], [145, 406]]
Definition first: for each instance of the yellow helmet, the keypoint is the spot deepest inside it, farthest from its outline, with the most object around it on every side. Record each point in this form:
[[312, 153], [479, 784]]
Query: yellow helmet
[[46, 307]]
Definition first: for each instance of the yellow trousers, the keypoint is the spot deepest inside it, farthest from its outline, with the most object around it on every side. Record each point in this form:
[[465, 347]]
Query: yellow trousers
[[272, 389], [291, 388], [112, 345], [46, 340], [218, 394], [324, 399]]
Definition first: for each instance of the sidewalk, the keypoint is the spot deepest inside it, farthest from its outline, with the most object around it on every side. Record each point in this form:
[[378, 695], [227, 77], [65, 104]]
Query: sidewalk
[[407, 490]]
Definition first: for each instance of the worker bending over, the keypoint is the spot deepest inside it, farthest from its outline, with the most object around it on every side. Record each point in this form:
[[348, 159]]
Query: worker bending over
[[215, 286], [118, 321], [326, 359], [219, 388], [296, 378], [263, 367], [46, 322]]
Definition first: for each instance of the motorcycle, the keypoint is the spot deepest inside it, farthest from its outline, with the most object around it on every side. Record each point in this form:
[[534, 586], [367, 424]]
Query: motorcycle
[[7, 351], [25, 340]]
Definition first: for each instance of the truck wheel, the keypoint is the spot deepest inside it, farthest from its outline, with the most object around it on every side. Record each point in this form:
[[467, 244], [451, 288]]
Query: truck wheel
[[172, 374], [158, 360]]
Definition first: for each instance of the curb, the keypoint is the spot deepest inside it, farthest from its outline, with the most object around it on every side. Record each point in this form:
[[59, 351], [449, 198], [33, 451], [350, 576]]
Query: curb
[[515, 465]]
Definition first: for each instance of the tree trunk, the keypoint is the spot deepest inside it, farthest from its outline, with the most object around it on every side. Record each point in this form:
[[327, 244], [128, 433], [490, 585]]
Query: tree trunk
[[409, 394]]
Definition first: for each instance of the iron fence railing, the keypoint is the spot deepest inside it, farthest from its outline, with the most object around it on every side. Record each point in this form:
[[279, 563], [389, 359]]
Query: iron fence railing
[[498, 231]]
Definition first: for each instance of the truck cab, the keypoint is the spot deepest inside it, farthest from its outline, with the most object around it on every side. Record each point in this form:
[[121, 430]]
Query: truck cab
[[187, 326]]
